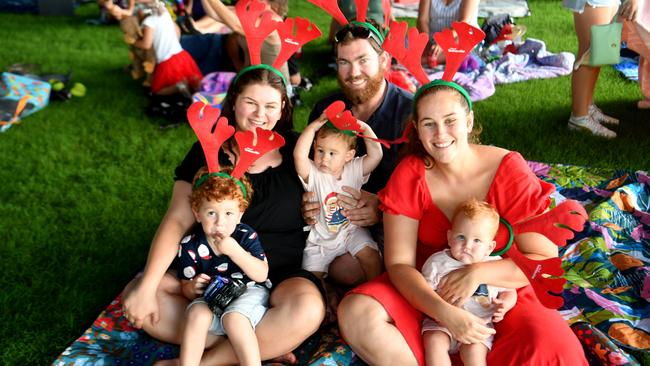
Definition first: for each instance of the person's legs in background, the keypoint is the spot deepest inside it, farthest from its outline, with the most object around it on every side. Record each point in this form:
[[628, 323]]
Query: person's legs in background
[[584, 115]]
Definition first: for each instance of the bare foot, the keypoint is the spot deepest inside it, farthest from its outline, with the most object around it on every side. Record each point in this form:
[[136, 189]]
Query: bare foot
[[174, 362], [287, 359], [644, 104]]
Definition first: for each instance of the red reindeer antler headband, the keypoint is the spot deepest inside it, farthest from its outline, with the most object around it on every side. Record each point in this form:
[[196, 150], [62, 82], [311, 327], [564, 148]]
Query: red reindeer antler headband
[[258, 24], [253, 144]]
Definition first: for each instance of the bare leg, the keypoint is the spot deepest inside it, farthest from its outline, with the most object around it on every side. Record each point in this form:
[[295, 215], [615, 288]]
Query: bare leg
[[473, 354], [346, 270], [371, 262], [436, 348], [583, 80], [242, 338], [172, 306], [199, 318], [370, 331], [296, 312]]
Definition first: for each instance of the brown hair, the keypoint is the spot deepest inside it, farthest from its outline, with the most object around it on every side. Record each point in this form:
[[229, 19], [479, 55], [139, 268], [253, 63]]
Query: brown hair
[[259, 77], [220, 188], [414, 145], [474, 209], [280, 7], [326, 130]]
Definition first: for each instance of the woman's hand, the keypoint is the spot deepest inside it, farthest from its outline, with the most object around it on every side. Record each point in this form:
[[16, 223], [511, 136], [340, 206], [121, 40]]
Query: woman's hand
[[361, 207], [466, 327], [628, 10], [139, 303], [459, 285], [310, 209]]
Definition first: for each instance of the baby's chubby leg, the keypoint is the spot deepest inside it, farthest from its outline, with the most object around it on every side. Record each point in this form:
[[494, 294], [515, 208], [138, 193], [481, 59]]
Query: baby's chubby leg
[[474, 354], [436, 348], [370, 261]]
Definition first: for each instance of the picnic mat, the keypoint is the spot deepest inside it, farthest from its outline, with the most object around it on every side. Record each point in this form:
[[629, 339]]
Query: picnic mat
[[606, 297], [516, 8]]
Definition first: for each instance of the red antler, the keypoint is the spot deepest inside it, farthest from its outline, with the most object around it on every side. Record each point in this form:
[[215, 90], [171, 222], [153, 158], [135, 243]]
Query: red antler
[[456, 51], [332, 8], [547, 289], [411, 58], [249, 12], [201, 118], [362, 9], [341, 118], [386, 6], [305, 32], [556, 225], [249, 151]]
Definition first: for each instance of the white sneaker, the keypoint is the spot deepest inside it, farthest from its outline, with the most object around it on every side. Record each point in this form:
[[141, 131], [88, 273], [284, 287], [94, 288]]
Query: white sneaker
[[587, 123], [601, 117]]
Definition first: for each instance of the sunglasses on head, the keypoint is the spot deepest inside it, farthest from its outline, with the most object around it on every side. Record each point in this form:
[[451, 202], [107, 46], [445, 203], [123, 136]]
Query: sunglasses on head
[[357, 31]]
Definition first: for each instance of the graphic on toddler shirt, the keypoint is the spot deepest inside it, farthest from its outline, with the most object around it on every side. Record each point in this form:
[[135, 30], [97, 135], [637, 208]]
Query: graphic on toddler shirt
[[333, 216]]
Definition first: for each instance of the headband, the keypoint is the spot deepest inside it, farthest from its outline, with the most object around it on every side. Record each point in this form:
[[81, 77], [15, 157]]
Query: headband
[[450, 84], [369, 26], [260, 67], [205, 177]]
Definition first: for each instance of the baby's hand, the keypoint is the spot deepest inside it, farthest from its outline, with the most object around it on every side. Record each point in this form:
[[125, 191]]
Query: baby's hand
[[226, 245], [199, 283], [503, 304]]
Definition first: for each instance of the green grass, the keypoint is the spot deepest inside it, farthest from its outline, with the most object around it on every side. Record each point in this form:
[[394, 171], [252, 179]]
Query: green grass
[[85, 182]]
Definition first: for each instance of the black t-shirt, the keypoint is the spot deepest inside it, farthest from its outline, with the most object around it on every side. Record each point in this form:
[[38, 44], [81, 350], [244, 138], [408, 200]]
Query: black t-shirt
[[387, 122], [274, 211]]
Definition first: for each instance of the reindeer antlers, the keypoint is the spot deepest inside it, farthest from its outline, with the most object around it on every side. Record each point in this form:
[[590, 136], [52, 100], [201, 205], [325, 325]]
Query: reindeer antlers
[[202, 117], [411, 58], [305, 32], [456, 51], [249, 11], [332, 8], [341, 118], [556, 225], [249, 151]]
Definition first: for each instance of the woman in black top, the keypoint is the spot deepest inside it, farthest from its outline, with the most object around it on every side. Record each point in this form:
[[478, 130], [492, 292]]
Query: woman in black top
[[154, 302]]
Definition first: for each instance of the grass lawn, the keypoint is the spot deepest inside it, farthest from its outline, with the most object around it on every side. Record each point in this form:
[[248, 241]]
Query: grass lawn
[[86, 182]]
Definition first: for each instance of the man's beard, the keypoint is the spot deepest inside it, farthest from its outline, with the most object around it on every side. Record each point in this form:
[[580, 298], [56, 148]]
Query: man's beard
[[360, 96]]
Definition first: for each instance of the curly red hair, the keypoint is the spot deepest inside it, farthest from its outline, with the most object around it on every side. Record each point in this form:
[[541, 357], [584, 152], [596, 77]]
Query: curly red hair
[[474, 209], [220, 188]]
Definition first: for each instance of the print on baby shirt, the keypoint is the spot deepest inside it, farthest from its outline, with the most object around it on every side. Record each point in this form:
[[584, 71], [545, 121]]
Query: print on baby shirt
[[334, 218]]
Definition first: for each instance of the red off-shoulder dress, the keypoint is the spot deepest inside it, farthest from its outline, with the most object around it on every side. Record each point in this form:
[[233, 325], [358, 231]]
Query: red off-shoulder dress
[[530, 334]]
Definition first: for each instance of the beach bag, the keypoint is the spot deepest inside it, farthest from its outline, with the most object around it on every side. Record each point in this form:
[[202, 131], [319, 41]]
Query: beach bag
[[605, 48]]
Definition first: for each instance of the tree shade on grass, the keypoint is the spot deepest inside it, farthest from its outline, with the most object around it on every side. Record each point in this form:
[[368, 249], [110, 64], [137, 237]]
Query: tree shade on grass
[[86, 182]]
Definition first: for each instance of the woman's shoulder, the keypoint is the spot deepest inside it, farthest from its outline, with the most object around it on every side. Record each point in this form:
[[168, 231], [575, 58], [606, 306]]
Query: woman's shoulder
[[497, 158]]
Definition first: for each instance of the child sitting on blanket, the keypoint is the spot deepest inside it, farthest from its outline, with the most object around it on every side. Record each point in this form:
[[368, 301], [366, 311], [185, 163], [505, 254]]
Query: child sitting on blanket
[[175, 69], [222, 246], [471, 240], [334, 166]]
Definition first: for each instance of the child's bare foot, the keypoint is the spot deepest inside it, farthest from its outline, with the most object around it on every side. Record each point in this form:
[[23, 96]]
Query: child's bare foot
[[644, 104], [174, 362], [287, 359]]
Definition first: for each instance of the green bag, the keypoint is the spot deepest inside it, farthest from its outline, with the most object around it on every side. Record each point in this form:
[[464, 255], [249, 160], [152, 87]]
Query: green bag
[[605, 46]]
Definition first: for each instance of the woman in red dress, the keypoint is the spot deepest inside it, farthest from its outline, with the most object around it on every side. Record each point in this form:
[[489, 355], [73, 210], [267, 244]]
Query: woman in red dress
[[381, 319]]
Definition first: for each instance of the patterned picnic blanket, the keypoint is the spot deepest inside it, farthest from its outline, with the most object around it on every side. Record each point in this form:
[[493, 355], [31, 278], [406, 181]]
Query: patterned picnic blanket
[[606, 297]]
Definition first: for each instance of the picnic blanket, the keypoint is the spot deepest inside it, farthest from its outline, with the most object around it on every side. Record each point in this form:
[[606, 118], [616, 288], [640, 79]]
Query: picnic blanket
[[532, 61], [606, 297], [516, 8]]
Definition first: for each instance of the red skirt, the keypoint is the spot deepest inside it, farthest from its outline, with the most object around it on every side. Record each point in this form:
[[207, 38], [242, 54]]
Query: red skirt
[[180, 67], [530, 334]]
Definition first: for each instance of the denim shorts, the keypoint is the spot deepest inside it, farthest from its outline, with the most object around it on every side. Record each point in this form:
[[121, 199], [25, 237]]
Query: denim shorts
[[252, 304], [578, 6]]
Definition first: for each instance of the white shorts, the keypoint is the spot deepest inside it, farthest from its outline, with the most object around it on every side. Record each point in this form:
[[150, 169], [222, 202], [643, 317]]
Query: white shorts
[[578, 6], [318, 256], [252, 304], [429, 325]]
